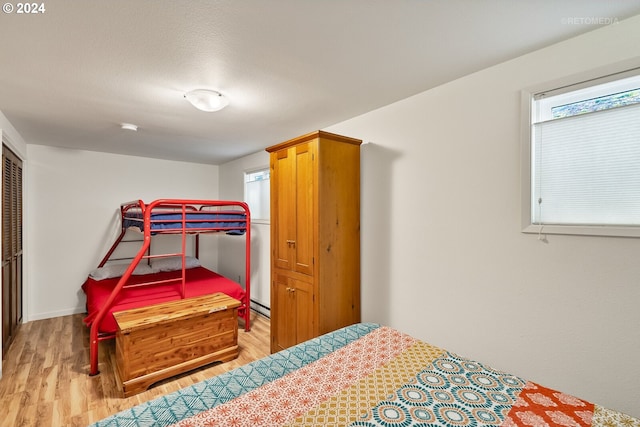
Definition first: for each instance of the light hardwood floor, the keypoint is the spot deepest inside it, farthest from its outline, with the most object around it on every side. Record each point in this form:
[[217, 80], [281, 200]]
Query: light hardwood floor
[[45, 379]]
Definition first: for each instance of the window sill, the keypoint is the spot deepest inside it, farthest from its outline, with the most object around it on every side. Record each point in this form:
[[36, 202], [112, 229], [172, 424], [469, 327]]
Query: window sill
[[583, 230]]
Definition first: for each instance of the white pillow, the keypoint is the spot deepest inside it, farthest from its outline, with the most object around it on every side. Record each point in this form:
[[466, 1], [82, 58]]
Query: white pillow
[[117, 270], [173, 263]]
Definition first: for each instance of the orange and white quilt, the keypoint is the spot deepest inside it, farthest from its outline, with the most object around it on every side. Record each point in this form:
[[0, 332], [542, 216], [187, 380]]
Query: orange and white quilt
[[368, 375]]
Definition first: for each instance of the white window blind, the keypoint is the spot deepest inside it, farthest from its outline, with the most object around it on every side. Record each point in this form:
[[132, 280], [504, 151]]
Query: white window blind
[[586, 169], [256, 194]]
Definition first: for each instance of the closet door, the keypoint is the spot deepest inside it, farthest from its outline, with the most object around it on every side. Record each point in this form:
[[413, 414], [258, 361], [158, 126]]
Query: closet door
[[11, 246]]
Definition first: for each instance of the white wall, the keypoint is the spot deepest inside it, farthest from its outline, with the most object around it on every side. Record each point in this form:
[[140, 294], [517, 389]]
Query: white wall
[[443, 257], [72, 217], [231, 255]]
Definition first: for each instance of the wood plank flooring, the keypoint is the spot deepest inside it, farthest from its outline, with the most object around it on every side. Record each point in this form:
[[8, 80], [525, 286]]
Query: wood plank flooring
[[45, 379]]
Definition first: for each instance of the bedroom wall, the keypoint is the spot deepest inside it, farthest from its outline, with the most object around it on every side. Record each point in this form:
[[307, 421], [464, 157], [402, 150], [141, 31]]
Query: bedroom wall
[[443, 257], [73, 201], [231, 259]]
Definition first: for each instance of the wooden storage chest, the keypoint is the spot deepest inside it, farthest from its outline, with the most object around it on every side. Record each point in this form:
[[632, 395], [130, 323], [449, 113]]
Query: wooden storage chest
[[163, 340]]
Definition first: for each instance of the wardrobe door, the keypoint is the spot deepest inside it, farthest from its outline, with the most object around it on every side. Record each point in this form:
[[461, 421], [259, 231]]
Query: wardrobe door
[[304, 243], [292, 200], [283, 321], [283, 208], [292, 322]]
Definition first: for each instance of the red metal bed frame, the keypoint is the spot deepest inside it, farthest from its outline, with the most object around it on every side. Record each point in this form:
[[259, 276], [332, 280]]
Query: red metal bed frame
[[183, 207]]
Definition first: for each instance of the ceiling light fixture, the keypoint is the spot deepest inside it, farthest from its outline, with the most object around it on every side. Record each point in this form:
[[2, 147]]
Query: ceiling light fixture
[[129, 126], [206, 100]]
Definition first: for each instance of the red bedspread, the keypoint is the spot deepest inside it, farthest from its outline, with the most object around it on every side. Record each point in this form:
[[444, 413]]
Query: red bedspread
[[199, 281]]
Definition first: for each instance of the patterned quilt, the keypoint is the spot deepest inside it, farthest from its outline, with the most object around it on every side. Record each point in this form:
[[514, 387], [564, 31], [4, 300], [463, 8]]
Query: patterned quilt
[[367, 375]]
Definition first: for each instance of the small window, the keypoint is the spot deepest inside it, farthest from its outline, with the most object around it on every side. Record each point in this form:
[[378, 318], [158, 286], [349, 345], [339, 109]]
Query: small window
[[584, 158], [256, 194]]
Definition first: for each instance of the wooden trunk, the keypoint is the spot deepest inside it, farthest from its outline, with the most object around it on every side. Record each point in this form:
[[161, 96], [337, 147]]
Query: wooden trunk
[[163, 340]]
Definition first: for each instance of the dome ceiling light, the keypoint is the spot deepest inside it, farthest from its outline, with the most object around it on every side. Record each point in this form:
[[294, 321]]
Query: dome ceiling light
[[207, 100]]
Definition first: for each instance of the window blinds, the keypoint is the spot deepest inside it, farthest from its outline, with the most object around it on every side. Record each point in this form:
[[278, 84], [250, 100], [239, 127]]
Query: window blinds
[[587, 169]]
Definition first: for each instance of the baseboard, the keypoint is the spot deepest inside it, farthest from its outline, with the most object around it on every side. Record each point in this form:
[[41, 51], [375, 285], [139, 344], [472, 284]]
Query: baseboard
[[50, 314]]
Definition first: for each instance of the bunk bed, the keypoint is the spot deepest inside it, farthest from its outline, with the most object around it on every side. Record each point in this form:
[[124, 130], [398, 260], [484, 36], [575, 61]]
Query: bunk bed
[[367, 375], [148, 278]]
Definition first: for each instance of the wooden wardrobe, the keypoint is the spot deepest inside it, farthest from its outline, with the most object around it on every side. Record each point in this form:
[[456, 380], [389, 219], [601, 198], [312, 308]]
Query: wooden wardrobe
[[315, 236]]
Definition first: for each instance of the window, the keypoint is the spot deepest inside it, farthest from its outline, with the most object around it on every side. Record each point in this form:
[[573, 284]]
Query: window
[[583, 154], [256, 194]]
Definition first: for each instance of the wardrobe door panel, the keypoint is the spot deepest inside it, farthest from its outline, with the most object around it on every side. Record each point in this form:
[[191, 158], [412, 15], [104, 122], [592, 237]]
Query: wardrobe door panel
[[282, 209], [304, 241]]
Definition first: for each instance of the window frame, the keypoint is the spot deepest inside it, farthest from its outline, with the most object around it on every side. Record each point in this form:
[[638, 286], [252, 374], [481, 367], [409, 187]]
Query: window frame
[[566, 84]]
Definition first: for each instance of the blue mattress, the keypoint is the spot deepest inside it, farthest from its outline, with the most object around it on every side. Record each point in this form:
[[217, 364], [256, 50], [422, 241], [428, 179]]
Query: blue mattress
[[228, 222]]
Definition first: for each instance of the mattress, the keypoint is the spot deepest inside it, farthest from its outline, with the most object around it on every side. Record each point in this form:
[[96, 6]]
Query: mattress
[[230, 222], [367, 375], [199, 281]]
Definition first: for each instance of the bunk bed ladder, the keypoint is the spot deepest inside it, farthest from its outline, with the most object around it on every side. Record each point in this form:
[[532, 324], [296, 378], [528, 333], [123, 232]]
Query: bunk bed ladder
[[95, 322]]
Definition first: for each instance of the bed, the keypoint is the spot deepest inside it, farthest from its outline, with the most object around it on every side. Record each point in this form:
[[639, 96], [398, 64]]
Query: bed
[[367, 375], [200, 281], [145, 277]]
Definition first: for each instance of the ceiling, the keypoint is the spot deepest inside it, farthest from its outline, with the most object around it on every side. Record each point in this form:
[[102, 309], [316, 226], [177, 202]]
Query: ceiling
[[69, 77]]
